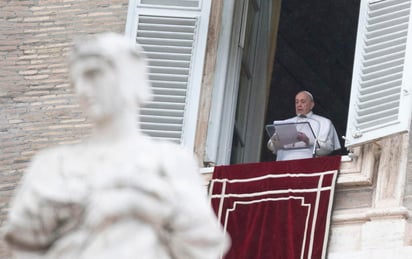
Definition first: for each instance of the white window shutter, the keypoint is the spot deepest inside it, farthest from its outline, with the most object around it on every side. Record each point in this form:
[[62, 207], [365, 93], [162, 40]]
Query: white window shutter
[[173, 36], [175, 3], [380, 103]]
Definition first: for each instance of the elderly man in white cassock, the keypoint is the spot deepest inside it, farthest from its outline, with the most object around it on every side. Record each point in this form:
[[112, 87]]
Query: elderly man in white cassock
[[324, 141]]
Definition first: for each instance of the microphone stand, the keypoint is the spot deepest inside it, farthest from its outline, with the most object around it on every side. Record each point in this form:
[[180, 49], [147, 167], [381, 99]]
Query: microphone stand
[[316, 136]]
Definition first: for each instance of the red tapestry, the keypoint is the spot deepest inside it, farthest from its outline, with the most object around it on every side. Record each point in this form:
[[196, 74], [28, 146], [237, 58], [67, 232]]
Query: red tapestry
[[276, 210]]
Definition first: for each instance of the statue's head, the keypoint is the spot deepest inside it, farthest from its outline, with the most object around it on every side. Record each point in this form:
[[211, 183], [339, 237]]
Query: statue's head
[[109, 75]]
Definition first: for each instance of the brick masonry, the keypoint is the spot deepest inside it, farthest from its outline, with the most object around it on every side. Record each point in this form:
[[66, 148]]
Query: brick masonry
[[37, 106]]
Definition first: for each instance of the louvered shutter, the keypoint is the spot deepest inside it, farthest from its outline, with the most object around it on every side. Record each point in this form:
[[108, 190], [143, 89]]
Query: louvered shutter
[[380, 102], [173, 36]]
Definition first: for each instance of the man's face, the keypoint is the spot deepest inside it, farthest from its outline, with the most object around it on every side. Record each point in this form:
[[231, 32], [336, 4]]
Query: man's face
[[95, 83], [303, 103]]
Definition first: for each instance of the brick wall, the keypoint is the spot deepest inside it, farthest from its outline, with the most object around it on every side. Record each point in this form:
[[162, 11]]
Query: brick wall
[[37, 106]]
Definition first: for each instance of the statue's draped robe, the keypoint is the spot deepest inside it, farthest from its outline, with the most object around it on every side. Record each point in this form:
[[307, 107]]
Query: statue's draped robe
[[137, 199]]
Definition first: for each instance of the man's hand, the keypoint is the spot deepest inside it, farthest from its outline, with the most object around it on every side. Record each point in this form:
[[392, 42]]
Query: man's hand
[[274, 137], [302, 137]]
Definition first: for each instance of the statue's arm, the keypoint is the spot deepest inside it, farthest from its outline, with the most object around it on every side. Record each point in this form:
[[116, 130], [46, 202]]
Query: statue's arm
[[36, 213], [25, 229], [194, 229]]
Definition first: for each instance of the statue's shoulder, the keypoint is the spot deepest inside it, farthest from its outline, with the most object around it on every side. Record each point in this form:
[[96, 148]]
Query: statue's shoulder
[[48, 160], [55, 152]]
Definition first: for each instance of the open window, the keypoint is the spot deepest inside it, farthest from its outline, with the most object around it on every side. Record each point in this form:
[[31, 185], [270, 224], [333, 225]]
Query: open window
[[365, 89]]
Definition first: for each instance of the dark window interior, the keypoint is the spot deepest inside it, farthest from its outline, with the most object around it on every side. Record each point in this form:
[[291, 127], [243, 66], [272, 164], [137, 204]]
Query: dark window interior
[[314, 52]]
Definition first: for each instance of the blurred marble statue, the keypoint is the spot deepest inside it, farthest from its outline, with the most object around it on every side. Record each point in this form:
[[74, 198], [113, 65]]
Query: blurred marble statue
[[119, 194]]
